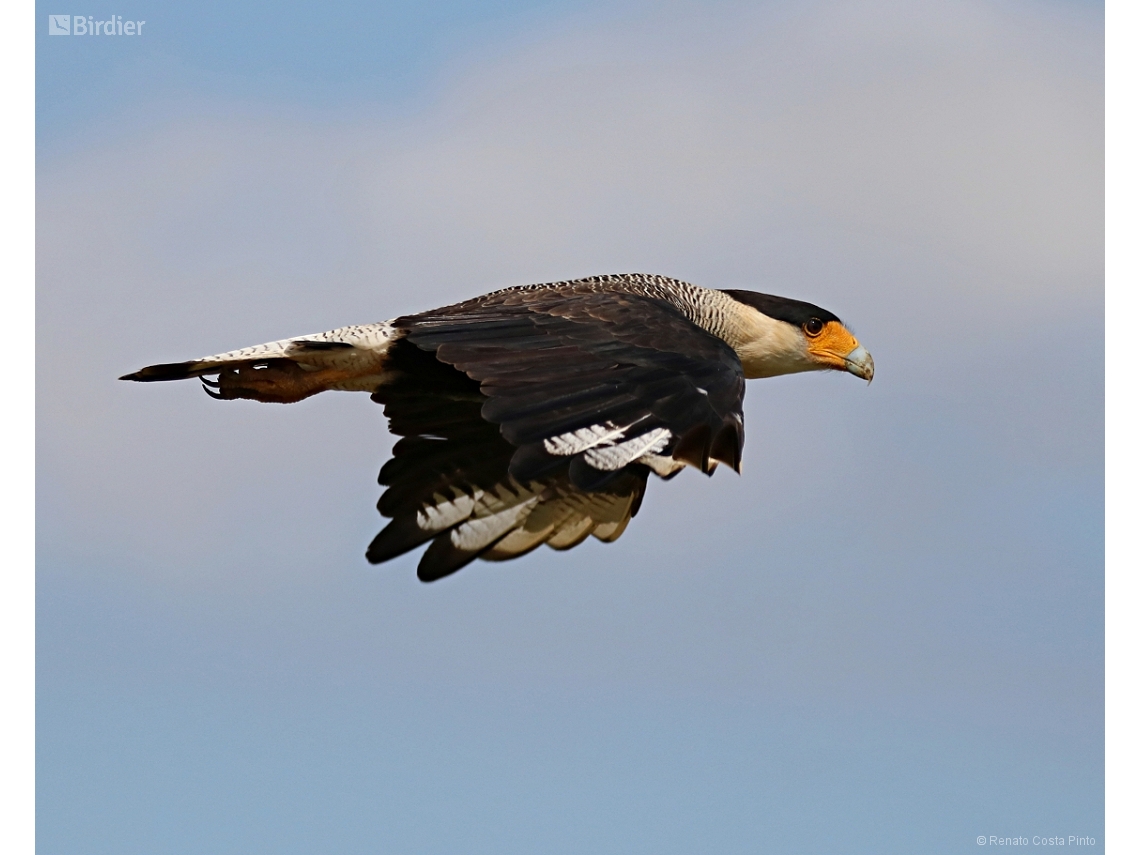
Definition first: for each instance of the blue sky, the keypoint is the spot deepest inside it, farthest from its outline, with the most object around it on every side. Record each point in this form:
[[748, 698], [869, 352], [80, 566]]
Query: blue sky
[[885, 636], [293, 55]]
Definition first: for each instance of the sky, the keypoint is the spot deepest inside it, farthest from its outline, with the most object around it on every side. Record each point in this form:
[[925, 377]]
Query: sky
[[885, 636]]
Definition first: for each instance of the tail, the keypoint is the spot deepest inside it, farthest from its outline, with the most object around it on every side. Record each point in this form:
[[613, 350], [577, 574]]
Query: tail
[[348, 359]]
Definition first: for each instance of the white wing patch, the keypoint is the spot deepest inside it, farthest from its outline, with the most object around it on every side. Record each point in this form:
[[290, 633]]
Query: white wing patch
[[447, 512], [605, 445], [482, 531], [512, 519], [568, 444], [610, 458]]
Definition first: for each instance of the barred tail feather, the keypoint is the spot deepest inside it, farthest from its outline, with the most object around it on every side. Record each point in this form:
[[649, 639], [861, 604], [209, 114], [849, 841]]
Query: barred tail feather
[[347, 359]]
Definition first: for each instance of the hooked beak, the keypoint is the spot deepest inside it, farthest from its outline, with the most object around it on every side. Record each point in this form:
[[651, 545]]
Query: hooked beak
[[835, 347], [860, 363]]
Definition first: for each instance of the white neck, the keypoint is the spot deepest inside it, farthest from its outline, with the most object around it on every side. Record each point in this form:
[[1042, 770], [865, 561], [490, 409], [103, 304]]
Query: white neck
[[766, 347]]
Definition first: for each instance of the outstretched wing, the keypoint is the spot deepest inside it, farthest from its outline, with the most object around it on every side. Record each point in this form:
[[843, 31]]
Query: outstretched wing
[[600, 380], [448, 481]]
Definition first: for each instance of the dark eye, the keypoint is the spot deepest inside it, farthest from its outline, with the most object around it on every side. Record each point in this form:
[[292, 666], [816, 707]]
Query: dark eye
[[813, 327]]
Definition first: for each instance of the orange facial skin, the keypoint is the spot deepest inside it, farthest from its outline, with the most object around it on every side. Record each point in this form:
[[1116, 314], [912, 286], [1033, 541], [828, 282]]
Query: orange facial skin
[[832, 345]]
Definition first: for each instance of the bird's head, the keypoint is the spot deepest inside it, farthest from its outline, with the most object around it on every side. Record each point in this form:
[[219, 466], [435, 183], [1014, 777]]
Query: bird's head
[[777, 335]]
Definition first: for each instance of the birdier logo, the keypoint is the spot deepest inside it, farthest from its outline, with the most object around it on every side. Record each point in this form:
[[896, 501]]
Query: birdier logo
[[84, 25]]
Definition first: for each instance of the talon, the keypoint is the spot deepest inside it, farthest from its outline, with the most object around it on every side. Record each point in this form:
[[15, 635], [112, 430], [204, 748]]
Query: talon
[[211, 383], [213, 394]]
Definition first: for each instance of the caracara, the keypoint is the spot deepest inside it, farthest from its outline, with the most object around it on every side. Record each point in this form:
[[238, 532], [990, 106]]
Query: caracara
[[535, 414]]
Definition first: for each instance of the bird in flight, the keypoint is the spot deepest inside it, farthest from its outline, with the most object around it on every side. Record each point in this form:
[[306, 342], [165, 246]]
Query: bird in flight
[[536, 414]]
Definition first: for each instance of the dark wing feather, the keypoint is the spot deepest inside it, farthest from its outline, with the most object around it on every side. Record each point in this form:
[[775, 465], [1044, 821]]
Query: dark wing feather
[[448, 480], [553, 362]]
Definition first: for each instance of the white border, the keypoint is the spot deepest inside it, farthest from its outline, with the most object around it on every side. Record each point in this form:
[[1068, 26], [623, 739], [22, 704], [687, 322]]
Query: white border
[[1122, 573], [17, 514]]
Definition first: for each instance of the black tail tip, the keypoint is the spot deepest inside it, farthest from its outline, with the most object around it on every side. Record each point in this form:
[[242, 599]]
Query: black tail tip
[[166, 371]]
